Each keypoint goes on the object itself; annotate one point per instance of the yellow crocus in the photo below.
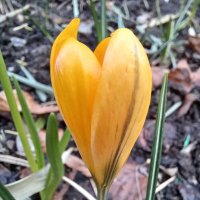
(103, 96)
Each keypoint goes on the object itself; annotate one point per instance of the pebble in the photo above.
(18, 42)
(4, 174)
(10, 144)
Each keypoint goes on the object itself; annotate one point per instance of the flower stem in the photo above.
(103, 193)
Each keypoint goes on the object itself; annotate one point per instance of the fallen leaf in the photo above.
(157, 75)
(194, 42)
(77, 164)
(34, 107)
(183, 79)
(59, 195)
(146, 136)
(189, 99)
(130, 184)
(180, 77)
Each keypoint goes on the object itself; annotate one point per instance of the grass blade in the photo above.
(15, 114)
(5, 194)
(65, 140)
(31, 126)
(169, 35)
(54, 156)
(103, 20)
(42, 96)
(33, 84)
(43, 29)
(96, 20)
(158, 140)
(183, 12)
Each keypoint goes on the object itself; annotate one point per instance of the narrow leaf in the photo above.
(64, 141)
(31, 126)
(34, 84)
(103, 20)
(96, 20)
(42, 96)
(158, 140)
(5, 194)
(54, 156)
(15, 113)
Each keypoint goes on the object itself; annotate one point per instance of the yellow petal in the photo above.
(121, 104)
(74, 73)
(71, 30)
(101, 50)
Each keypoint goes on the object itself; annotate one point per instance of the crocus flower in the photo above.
(103, 96)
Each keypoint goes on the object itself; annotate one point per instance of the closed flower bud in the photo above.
(103, 96)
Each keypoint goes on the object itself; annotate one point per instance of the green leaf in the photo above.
(65, 140)
(15, 114)
(40, 123)
(54, 156)
(5, 194)
(158, 140)
(31, 126)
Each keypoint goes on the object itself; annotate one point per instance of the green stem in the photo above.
(15, 114)
(103, 193)
(103, 20)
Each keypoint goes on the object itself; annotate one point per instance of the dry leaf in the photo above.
(34, 107)
(146, 136)
(180, 77)
(157, 75)
(183, 79)
(77, 164)
(130, 184)
(195, 43)
(189, 99)
(59, 195)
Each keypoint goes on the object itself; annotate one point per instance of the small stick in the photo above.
(14, 13)
(78, 188)
(165, 184)
(13, 160)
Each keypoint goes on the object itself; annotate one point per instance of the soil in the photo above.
(31, 46)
